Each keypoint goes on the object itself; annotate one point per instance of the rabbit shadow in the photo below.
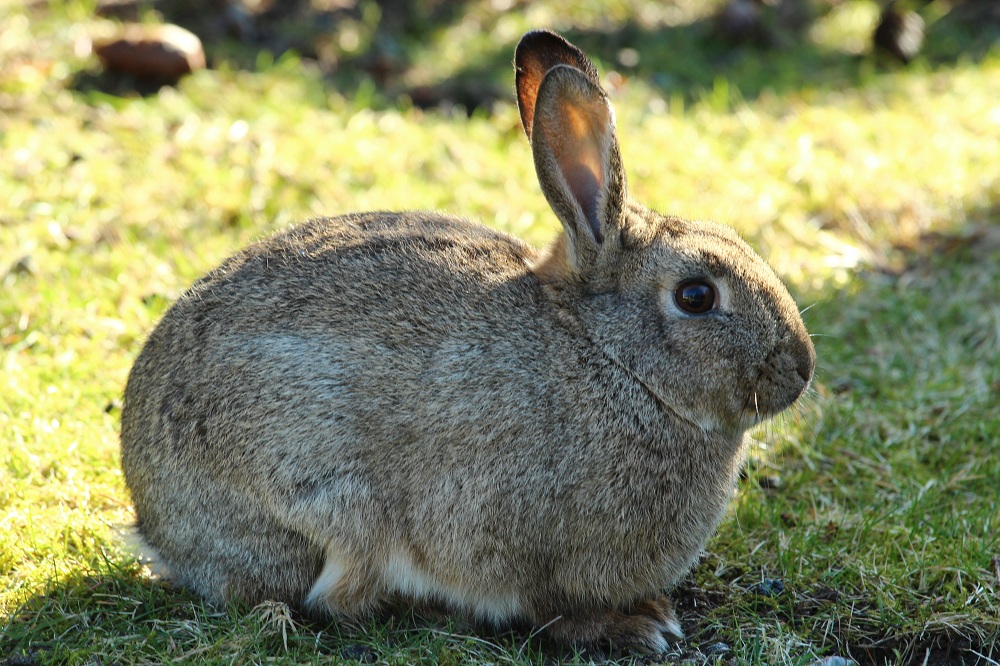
(107, 616)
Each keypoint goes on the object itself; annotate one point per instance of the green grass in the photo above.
(873, 189)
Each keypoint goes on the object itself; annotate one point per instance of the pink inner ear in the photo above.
(585, 186)
(580, 160)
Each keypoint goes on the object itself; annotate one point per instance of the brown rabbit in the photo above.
(409, 404)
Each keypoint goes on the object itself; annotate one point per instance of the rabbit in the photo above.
(408, 405)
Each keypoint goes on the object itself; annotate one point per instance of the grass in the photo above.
(873, 189)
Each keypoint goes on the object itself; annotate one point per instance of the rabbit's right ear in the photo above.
(571, 125)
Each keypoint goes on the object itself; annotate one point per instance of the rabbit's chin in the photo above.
(751, 418)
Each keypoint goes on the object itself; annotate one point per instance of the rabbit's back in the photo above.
(401, 269)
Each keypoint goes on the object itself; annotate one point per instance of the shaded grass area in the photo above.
(885, 525)
(875, 192)
(438, 51)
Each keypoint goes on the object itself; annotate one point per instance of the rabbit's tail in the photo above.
(133, 543)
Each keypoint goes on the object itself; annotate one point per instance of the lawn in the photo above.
(868, 522)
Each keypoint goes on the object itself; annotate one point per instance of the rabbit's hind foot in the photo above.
(647, 627)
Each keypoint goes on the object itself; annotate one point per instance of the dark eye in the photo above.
(695, 297)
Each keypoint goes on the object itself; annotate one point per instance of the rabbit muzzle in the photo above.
(784, 376)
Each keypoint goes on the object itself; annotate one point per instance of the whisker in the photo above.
(808, 308)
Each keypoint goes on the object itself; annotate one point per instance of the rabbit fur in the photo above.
(386, 404)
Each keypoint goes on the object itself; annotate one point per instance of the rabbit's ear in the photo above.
(578, 161)
(537, 53)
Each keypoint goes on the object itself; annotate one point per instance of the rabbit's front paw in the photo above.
(648, 627)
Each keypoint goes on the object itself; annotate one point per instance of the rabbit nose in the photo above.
(806, 365)
(805, 368)
(789, 367)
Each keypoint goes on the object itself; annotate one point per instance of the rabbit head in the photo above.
(688, 307)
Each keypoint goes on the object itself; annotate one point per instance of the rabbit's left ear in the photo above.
(571, 125)
(537, 53)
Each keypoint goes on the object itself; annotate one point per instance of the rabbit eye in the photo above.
(695, 297)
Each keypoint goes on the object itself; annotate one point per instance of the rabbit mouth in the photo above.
(782, 379)
(756, 412)
(772, 396)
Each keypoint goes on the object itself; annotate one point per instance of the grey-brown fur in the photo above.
(429, 408)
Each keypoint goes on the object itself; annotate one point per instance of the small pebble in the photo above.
(156, 52)
(22, 659)
(360, 653)
(832, 661)
(740, 22)
(899, 33)
(769, 481)
(716, 650)
(769, 587)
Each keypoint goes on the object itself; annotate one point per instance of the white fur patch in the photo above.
(673, 627)
(402, 575)
(659, 643)
(322, 590)
(133, 544)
